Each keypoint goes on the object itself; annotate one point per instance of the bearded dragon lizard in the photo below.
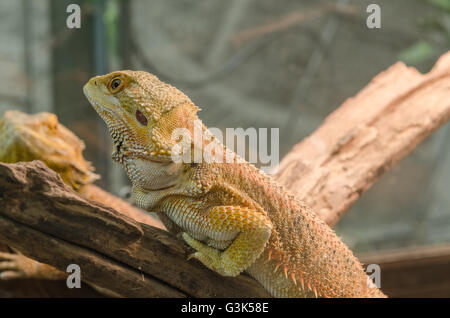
(234, 216)
(26, 137)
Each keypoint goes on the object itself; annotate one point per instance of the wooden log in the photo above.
(96, 268)
(366, 136)
(414, 272)
(47, 221)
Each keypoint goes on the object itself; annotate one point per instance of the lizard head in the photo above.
(41, 137)
(141, 113)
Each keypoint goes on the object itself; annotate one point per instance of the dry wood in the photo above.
(366, 136)
(414, 272)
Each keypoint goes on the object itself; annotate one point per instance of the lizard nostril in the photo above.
(95, 83)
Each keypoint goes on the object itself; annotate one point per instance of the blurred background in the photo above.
(247, 63)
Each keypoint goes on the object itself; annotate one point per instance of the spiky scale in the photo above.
(276, 267)
(293, 278)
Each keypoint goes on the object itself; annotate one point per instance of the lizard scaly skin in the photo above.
(235, 217)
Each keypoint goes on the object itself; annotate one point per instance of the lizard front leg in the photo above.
(242, 231)
(228, 239)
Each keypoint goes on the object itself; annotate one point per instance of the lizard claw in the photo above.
(200, 247)
(192, 243)
(187, 238)
(193, 255)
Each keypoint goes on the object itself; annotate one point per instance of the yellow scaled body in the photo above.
(235, 217)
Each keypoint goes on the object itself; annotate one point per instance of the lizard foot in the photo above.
(208, 255)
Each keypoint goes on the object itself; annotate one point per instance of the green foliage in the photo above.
(436, 36)
(111, 20)
(417, 53)
(441, 4)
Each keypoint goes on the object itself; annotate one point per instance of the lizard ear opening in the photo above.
(140, 117)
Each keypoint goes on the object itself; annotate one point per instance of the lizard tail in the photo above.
(305, 258)
(280, 280)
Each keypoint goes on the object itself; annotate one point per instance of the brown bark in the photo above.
(366, 136)
(414, 272)
(97, 194)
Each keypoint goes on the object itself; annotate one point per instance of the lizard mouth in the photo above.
(106, 113)
(112, 120)
(103, 111)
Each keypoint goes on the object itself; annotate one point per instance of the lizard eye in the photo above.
(115, 85)
(140, 117)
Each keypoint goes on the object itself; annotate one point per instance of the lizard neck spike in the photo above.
(276, 267)
(315, 292)
(302, 282)
(293, 278)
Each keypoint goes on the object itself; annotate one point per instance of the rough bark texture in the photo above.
(366, 136)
